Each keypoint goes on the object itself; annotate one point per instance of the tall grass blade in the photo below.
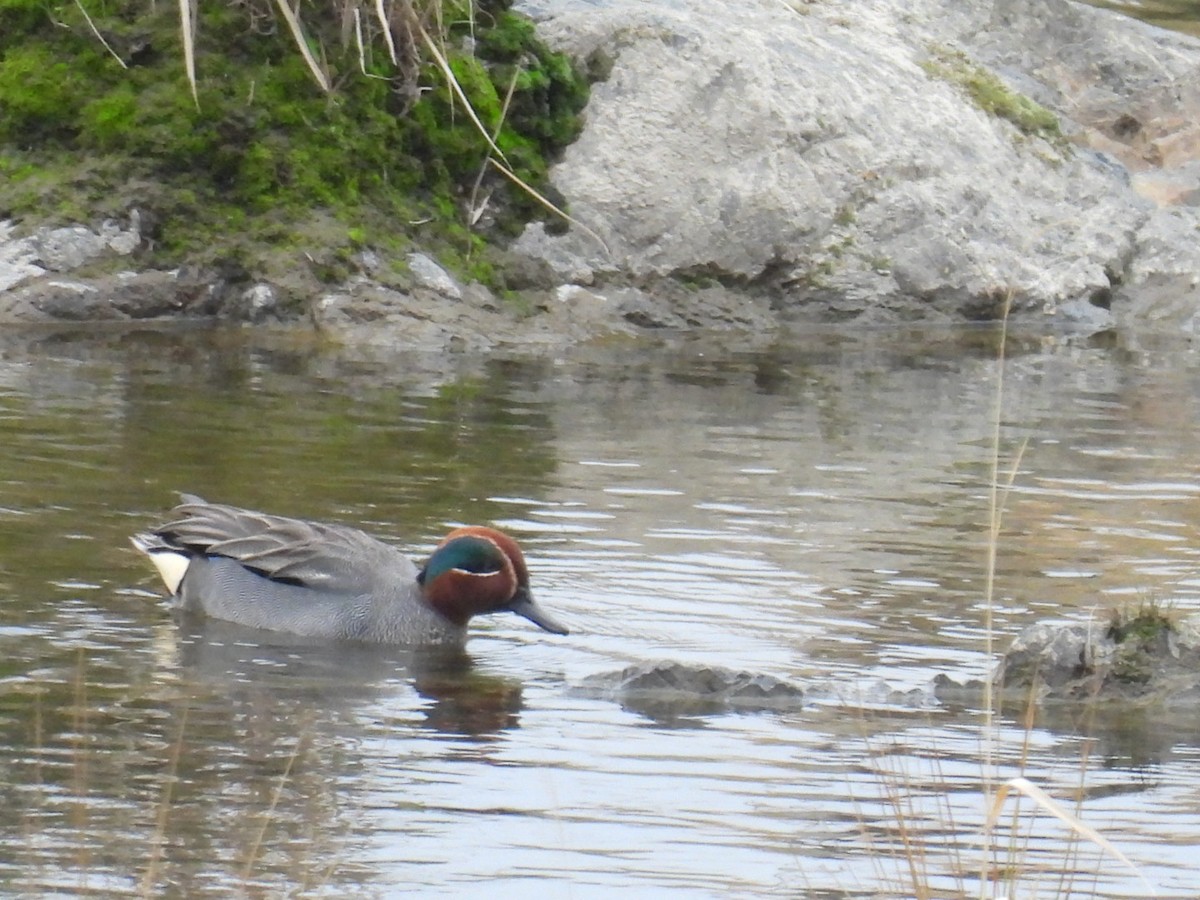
(1048, 804)
(515, 179)
(989, 591)
(187, 24)
(358, 42)
(475, 208)
(99, 36)
(150, 876)
(302, 44)
(386, 25)
(301, 745)
(456, 88)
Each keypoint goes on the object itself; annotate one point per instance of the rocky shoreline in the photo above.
(756, 164)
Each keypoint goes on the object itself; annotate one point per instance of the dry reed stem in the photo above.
(358, 42)
(474, 208)
(302, 44)
(99, 36)
(164, 807)
(456, 89)
(387, 30)
(989, 592)
(1047, 803)
(996, 502)
(914, 852)
(187, 25)
(513, 177)
(252, 857)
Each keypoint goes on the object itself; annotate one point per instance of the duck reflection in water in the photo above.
(285, 676)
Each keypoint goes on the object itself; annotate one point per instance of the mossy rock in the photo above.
(993, 96)
(1144, 654)
(390, 152)
(1143, 638)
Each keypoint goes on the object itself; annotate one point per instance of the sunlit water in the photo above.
(816, 511)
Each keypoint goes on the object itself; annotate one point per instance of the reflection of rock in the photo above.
(1144, 655)
(1118, 681)
(669, 691)
(673, 692)
(1124, 733)
(878, 696)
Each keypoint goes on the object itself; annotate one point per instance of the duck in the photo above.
(335, 582)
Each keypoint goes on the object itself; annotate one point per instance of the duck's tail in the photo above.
(172, 564)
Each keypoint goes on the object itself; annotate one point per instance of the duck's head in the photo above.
(477, 570)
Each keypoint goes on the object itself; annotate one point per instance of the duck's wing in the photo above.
(325, 557)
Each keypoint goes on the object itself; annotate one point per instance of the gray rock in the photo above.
(60, 250)
(812, 151)
(68, 300)
(18, 260)
(1148, 655)
(1053, 654)
(64, 249)
(69, 248)
(119, 297)
(669, 691)
(680, 693)
(153, 294)
(756, 162)
(370, 314)
(258, 303)
(432, 276)
(1162, 283)
(1131, 90)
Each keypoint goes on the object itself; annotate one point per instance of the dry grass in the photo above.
(170, 778)
(1003, 879)
(1005, 867)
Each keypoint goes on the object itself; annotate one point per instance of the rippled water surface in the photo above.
(815, 511)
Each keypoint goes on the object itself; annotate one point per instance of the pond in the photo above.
(1179, 15)
(815, 509)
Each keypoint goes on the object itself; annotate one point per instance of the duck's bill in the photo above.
(523, 605)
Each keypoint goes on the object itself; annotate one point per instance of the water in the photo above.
(815, 510)
(1179, 15)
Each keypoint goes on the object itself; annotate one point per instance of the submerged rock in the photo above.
(667, 691)
(1140, 656)
(671, 692)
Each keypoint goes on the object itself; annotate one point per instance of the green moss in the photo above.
(993, 96)
(1146, 622)
(265, 150)
(19, 16)
(106, 120)
(1143, 634)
